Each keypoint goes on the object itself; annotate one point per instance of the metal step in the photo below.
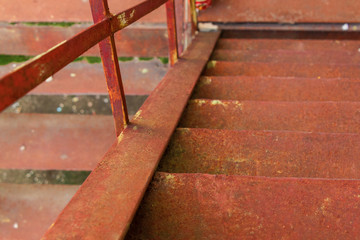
(226, 68)
(342, 117)
(277, 89)
(288, 44)
(288, 56)
(263, 153)
(201, 206)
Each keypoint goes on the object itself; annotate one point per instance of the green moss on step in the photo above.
(6, 59)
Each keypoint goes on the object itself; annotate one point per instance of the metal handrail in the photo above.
(23, 79)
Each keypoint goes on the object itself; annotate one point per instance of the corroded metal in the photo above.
(288, 116)
(263, 153)
(16, 84)
(283, 11)
(202, 206)
(225, 68)
(116, 186)
(287, 44)
(277, 89)
(285, 56)
(100, 11)
(172, 32)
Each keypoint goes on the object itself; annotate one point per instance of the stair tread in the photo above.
(262, 115)
(263, 153)
(27, 210)
(54, 141)
(288, 56)
(227, 68)
(288, 44)
(232, 207)
(277, 88)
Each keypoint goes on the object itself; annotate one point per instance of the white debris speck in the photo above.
(22, 148)
(64, 156)
(144, 70)
(61, 105)
(72, 75)
(345, 27)
(49, 79)
(90, 104)
(16, 225)
(75, 99)
(14, 65)
(106, 100)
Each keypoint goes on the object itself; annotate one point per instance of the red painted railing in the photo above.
(25, 78)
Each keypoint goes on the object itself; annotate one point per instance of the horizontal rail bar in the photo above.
(23, 79)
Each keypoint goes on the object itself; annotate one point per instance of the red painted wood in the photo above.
(54, 141)
(27, 210)
(33, 40)
(140, 78)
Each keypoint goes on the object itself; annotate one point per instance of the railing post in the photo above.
(171, 23)
(100, 11)
(194, 20)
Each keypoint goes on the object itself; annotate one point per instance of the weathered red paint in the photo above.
(257, 115)
(109, 58)
(59, 11)
(284, 56)
(287, 44)
(283, 11)
(27, 210)
(263, 153)
(139, 78)
(226, 68)
(137, 40)
(172, 32)
(277, 89)
(116, 186)
(201, 206)
(49, 141)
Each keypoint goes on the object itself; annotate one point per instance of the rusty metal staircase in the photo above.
(252, 134)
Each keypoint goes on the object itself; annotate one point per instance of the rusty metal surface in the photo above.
(277, 89)
(283, 11)
(109, 58)
(225, 68)
(283, 34)
(313, 27)
(116, 186)
(17, 83)
(199, 206)
(49, 141)
(263, 153)
(172, 32)
(140, 40)
(286, 56)
(287, 44)
(256, 115)
(26, 211)
(140, 78)
(58, 11)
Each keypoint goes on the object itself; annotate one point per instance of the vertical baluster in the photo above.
(194, 20)
(100, 10)
(171, 22)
